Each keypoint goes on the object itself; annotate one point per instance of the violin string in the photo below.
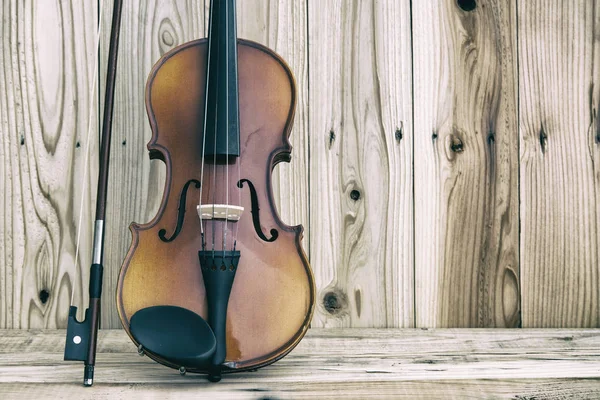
(215, 126)
(214, 166)
(89, 133)
(226, 132)
(238, 159)
(204, 129)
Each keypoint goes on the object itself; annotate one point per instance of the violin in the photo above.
(216, 282)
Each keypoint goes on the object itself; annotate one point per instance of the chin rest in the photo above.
(175, 334)
(183, 337)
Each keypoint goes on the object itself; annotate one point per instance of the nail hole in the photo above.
(543, 139)
(44, 295)
(398, 134)
(331, 138)
(434, 136)
(467, 5)
(22, 140)
(78, 145)
(124, 142)
(355, 195)
(491, 138)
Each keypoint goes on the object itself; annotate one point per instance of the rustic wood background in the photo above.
(446, 160)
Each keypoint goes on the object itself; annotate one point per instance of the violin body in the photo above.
(272, 296)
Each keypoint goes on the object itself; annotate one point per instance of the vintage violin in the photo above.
(216, 282)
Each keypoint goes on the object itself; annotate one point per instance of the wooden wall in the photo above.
(446, 161)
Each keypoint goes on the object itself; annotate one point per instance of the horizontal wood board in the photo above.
(329, 363)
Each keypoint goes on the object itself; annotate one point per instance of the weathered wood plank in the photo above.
(559, 53)
(281, 26)
(46, 73)
(136, 184)
(361, 163)
(150, 29)
(547, 389)
(466, 165)
(329, 363)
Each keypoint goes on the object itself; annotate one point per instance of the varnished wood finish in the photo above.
(329, 364)
(273, 293)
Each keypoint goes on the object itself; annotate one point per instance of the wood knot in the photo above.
(456, 144)
(467, 5)
(44, 295)
(167, 35)
(335, 302)
(167, 38)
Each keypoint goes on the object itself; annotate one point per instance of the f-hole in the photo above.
(255, 212)
(180, 212)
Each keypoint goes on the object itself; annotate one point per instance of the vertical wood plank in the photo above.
(466, 171)
(48, 54)
(136, 184)
(150, 29)
(559, 58)
(361, 162)
(281, 26)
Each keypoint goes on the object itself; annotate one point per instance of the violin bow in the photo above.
(82, 336)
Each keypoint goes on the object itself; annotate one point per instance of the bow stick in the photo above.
(82, 336)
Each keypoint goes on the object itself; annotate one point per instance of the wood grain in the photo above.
(46, 73)
(329, 363)
(361, 163)
(559, 53)
(149, 30)
(281, 26)
(136, 184)
(466, 165)
(350, 182)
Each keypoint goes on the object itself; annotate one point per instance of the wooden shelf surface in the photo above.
(328, 364)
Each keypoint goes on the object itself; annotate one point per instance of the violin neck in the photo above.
(222, 132)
